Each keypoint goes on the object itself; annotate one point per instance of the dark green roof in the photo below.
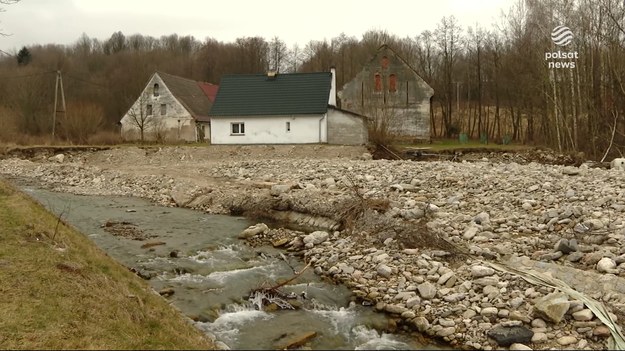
(284, 94)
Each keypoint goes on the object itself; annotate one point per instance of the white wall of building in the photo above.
(304, 129)
(176, 124)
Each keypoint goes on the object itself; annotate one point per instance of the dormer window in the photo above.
(155, 92)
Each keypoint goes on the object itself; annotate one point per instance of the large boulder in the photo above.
(506, 336)
(552, 307)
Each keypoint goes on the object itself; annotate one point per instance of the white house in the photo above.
(294, 108)
(170, 108)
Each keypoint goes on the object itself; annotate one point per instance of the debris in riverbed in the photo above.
(272, 298)
(126, 230)
(296, 341)
(151, 244)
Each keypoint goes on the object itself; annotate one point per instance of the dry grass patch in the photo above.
(59, 291)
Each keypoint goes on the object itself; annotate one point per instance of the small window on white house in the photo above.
(155, 89)
(148, 110)
(288, 126)
(163, 109)
(237, 128)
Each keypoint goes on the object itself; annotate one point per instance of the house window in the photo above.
(148, 110)
(237, 128)
(392, 83)
(378, 82)
(155, 92)
(163, 109)
(288, 126)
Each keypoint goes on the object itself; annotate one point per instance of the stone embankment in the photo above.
(413, 239)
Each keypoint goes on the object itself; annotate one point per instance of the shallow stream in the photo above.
(211, 273)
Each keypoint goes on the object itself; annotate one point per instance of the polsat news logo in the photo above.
(561, 36)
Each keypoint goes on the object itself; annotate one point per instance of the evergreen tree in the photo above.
(23, 57)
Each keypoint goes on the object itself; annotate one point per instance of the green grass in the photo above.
(59, 291)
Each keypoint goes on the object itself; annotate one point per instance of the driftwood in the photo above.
(272, 295)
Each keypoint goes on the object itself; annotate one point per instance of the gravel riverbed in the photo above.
(422, 241)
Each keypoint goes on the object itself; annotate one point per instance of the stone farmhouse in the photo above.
(170, 108)
(388, 90)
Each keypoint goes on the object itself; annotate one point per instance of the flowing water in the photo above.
(212, 273)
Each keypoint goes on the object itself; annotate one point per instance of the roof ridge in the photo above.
(180, 77)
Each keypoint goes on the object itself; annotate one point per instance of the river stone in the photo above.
(552, 307)
(606, 265)
(567, 340)
(566, 246)
(384, 270)
(445, 277)
(427, 290)
(539, 338)
(468, 314)
(506, 336)
(489, 311)
(493, 280)
(519, 347)
(421, 323)
(446, 331)
(278, 189)
(482, 218)
(397, 309)
(583, 315)
(601, 331)
(316, 238)
(58, 158)
(181, 195)
(470, 232)
(539, 323)
(481, 271)
(413, 301)
(575, 256)
(254, 230)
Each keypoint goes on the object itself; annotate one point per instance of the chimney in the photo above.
(332, 99)
(272, 74)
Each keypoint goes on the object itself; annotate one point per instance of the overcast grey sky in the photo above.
(63, 21)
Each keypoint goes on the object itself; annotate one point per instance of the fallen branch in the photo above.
(297, 274)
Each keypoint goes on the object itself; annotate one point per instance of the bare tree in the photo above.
(141, 115)
(6, 2)
(278, 52)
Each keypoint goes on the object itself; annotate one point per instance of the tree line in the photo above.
(500, 83)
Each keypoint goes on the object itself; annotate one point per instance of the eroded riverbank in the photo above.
(421, 235)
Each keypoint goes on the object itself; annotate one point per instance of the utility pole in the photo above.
(59, 82)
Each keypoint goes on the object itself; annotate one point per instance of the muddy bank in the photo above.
(412, 238)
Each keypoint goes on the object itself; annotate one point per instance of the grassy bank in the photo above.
(59, 291)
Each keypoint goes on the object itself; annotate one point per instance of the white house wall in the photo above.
(306, 129)
(156, 125)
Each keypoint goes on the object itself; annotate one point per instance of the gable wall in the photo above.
(407, 109)
(166, 126)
